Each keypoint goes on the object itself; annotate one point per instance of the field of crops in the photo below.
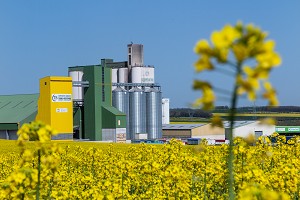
(274, 115)
(89, 170)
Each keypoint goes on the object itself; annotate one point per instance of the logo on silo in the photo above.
(61, 98)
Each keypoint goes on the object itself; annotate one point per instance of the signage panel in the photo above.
(61, 97)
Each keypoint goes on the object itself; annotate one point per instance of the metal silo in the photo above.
(77, 91)
(147, 74)
(136, 74)
(123, 75)
(120, 100)
(114, 77)
(137, 112)
(153, 113)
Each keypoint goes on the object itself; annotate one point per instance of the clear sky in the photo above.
(44, 38)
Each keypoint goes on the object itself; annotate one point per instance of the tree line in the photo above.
(190, 112)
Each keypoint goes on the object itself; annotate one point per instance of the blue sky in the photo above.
(44, 38)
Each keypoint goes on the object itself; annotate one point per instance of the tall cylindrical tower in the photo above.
(120, 100)
(114, 77)
(123, 75)
(137, 112)
(77, 91)
(135, 56)
(153, 113)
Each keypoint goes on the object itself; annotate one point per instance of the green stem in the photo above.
(39, 176)
(232, 118)
(50, 185)
(122, 186)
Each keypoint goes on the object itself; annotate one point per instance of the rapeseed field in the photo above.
(87, 170)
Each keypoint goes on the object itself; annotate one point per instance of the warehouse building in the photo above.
(15, 110)
(240, 129)
(184, 131)
(244, 128)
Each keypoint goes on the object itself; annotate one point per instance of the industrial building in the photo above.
(94, 116)
(244, 128)
(55, 106)
(110, 101)
(185, 131)
(16, 110)
(240, 129)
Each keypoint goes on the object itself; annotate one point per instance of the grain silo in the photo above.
(147, 74)
(120, 100)
(136, 74)
(123, 75)
(77, 92)
(137, 112)
(114, 77)
(153, 113)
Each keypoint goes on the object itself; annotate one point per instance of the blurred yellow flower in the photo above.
(249, 86)
(216, 121)
(268, 60)
(202, 47)
(270, 94)
(203, 63)
(208, 96)
(248, 45)
(268, 121)
(225, 37)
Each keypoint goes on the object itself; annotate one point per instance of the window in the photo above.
(129, 50)
(129, 60)
(103, 85)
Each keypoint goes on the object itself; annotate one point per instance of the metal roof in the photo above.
(113, 110)
(237, 123)
(180, 126)
(16, 108)
(192, 126)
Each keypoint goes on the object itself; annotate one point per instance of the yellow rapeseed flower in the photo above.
(248, 85)
(268, 60)
(270, 94)
(208, 96)
(203, 63)
(217, 121)
(225, 37)
(240, 52)
(203, 47)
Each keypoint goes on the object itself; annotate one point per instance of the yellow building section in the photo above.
(55, 105)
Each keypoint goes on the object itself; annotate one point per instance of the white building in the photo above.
(165, 111)
(244, 128)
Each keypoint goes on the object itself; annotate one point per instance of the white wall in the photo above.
(165, 111)
(115, 135)
(215, 137)
(245, 130)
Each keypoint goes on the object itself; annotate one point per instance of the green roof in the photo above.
(113, 110)
(18, 109)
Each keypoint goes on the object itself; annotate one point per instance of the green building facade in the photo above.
(97, 119)
(288, 130)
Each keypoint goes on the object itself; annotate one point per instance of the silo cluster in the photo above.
(142, 107)
(135, 93)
